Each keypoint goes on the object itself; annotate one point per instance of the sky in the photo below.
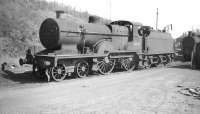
(182, 14)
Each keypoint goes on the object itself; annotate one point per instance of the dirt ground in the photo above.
(149, 91)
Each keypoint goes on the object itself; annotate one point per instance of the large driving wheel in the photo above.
(82, 69)
(128, 64)
(105, 65)
(168, 59)
(58, 73)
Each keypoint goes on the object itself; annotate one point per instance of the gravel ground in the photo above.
(149, 91)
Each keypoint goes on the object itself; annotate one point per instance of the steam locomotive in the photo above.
(184, 45)
(76, 49)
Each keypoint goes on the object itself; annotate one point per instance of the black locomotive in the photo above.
(74, 48)
(184, 45)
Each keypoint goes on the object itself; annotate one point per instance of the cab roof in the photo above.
(121, 22)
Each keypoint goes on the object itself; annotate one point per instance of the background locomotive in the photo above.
(187, 46)
(184, 45)
(78, 48)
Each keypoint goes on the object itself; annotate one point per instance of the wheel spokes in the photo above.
(106, 66)
(128, 64)
(59, 73)
(82, 69)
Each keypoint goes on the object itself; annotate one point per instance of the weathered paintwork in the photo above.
(159, 42)
(78, 48)
(122, 35)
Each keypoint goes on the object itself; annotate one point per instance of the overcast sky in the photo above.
(182, 14)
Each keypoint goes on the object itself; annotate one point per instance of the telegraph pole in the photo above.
(157, 19)
(110, 9)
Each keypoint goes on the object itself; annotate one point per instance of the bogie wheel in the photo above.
(128, 64)
(105, 65)
(59, 72)
(82, 69)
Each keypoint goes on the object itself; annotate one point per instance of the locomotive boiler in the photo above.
(76, 49)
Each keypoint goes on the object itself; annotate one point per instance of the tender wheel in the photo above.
(168, 59)
(128, 64)
(82, 69)
(58, 73)
(147, 63)
(158, 60)
(172, 57)
(106, 65)
(164, 59)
